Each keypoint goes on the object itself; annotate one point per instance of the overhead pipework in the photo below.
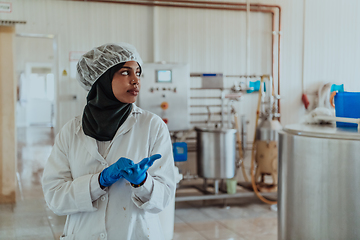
(229, 6)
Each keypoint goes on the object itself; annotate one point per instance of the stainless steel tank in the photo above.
(216, 153)
(319, 183)
(268, 130)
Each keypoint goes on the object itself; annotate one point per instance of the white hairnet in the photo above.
(97, 61)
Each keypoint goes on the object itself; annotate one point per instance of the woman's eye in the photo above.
(138, 74)
(125, 73)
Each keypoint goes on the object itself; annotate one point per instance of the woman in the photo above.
(111, 169)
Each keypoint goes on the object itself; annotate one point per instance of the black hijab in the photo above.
(103, 113)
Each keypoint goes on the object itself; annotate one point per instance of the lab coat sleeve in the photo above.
(63, 194)
(95, 189)
(159, 187)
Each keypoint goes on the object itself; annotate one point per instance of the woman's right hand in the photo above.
(113, 173)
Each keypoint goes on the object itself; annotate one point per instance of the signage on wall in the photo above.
(5, 7)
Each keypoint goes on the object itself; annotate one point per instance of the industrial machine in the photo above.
(319, 182)
(219, 147)
(165, 92)
(265, 147)
(216, 153)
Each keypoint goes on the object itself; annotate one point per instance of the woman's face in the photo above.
(126, 82)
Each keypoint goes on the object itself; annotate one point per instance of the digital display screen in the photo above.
(163, 76)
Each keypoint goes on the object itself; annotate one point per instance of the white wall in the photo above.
(332, 49)
(81, 26)
(211, 41)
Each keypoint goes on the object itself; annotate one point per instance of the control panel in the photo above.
(165, 91)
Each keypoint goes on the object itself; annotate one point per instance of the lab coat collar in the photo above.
(90, 143)
(136, 109)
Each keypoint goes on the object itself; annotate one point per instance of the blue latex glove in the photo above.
(136, 174)
(113, 173)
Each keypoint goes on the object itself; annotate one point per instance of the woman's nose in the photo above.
(135, 81)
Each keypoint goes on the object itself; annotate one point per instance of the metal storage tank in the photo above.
(216, 153)
(319, 183)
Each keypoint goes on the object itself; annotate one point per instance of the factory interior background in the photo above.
(301, 45)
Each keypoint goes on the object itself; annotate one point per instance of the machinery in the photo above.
(219, 147)
(216, 153)
(217, 160)
(319, 182)
(318, 171)
(265, 146)
(165, 92)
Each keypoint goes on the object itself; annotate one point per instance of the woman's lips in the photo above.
(134, 92)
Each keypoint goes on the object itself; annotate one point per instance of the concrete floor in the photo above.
(30, 218)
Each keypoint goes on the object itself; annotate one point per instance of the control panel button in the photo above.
(164, 105)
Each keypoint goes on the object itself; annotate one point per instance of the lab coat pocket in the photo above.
(152, 227)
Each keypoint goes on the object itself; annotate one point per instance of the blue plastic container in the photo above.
(256, 86)
(180, 151)
(347, 104)
(338, 88)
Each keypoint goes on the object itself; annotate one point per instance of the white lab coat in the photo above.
(70, 181)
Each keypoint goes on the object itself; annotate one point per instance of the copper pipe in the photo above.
(215, 3)
(168, 4)
(203, 5)
(279, 42)
(201, 2)
(272, 45)
(279, 39)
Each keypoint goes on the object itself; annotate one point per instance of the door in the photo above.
(35, 67)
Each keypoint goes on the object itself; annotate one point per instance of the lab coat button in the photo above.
(103, 198)
(102, 235)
